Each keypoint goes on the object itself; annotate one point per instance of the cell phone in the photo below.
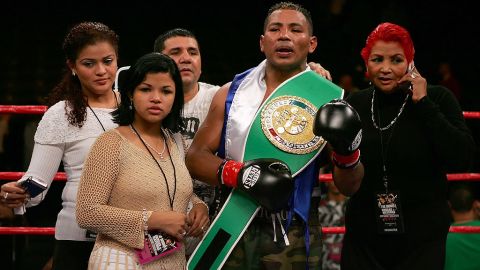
(406, 86)
(33, 186)
(410, 68)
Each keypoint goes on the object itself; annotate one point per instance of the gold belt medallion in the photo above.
(287, 122)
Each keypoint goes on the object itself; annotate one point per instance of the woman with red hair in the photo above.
(413, 135)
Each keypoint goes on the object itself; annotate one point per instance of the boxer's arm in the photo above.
(201, 160)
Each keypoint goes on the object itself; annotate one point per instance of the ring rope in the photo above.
(450, 177)
(325, 230)
(61, 176)
(40, 109)
(22, 109)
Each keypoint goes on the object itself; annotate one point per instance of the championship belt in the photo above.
(282, 129)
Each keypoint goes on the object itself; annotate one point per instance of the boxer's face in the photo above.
(287, 40)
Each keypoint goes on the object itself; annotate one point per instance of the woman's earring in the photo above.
(73, 73)
(368, 77)
(130, 107)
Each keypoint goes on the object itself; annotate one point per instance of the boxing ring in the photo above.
(27, 109)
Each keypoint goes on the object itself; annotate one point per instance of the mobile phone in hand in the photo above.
(406, 86)
(33, 186)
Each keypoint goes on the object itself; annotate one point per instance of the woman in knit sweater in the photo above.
(135, 181)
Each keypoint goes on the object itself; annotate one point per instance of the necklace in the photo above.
(98, 119)
(380, 130)
(394, 119)
(146, 143)
(171, 199)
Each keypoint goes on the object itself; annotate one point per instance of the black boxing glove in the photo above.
(268, 181)
(339, 124)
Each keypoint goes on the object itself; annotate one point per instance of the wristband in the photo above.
(229, 171)
(346, 162)
(219, 171)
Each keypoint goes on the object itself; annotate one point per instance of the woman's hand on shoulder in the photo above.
(317, 68)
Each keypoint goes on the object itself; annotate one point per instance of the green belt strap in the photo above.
(239, 209)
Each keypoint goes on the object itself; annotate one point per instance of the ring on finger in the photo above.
(5, 196)
(413, 75)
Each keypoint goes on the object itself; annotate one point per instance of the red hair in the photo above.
(389, 32)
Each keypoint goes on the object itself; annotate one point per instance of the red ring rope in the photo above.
(13, 109)
(450, 177)
(18, 175)
(325, 230)
(38, 109)
(28, 230)
(61, 176)
(471, 115)
(26, 109)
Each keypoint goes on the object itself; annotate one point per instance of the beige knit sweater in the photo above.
(118, 181)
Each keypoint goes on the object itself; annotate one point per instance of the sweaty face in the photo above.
(386, 65)
(185, 52)
(287, 41)
(96, 67)
(153, 98)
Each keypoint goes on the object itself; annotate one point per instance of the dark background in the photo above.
(32, 34)
(32, 62)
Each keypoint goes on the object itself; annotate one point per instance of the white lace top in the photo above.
(57, 141)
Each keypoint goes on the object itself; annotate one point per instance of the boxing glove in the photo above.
(339, 124)
(268, 181)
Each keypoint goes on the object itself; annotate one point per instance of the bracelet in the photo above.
(220, 171)
(205, 204)
(145, 217)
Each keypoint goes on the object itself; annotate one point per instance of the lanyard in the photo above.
(171, 199)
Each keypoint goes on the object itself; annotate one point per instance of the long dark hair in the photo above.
(135, 75)
(69, 88)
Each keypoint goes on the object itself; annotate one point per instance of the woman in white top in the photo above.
(80, 112)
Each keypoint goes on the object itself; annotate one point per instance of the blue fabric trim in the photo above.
(301, 199)
(237, 80)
